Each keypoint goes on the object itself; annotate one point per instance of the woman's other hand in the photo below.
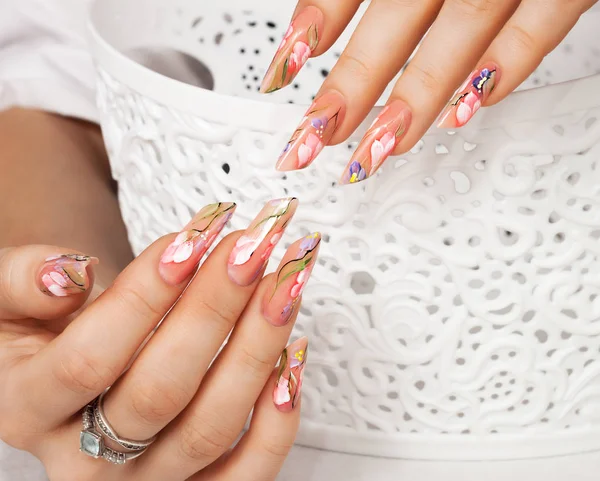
(59, 351)
(488, 46)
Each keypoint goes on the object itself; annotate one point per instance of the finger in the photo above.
(381, 44)
(169, 370)
(216, 415)
(458, 37)
(315, 26)
(535, 29)
(95, 349)
(262, 450)
(43, 282)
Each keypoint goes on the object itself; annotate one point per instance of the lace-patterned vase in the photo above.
(455, 310)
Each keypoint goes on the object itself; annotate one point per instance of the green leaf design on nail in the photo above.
(283, 360)
(285, 70)
(292, 268)
(75, 276)
(313, 37)
(400, 130)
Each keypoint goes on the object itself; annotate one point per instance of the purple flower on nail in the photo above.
(309, 242)
(481, 79)
(287, 311)
(319, 123)
(355, 173)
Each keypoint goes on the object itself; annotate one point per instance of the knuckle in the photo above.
(475, 7)
(522, 40)
(356, 66)
(82, 374)
(221, 319)
(158, 400)
(278, 450)
(426, 78)
(205, 438)
(129, 298)
(257, 365)
(399, 4)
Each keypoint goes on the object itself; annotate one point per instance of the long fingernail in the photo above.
(470, 97)
(298, 44)
(182, 256)
(252, 250)
(289, 375)
(65, 275)
(378, 143)
(282, 298)
(314, 132)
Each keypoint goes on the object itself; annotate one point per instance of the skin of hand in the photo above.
(472, 53)
(56, 188)
(60, 348)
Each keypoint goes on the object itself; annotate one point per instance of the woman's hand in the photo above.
(500, 42)
(58, 353)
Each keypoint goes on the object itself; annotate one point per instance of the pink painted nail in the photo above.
(470, 97)
(182, 256)
(298, 44)
(252, 250)
(290, 374)
(66, 275)
(378, 143)
(290, 280)
(314, 132)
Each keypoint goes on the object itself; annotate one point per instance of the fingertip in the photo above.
(44, 282)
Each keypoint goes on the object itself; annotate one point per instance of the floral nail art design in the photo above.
(470, 97)
(291, 278)
(182, 256)
(378, 143)
(300, 40)
(252, 250)
(314, 132)
(290, 374)
(66, 275)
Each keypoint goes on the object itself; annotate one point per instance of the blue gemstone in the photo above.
(90, 443)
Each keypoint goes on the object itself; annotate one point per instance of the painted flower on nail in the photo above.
(243, 250)
(297, 45)
(298, 286)
(320, 124)
(484, 76)
(55, 283)
(469, 99)
(282, 391)
(66, 274)
(290, 375)
(309, 243)
(356, 173)
(467, 106)
(382, 148)
(299, 269)
(275, 238)
(315, 130)
(299, 57)
(181, 249)
(309, 150)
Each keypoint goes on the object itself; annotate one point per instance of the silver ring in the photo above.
(104, 426)
(92, 444)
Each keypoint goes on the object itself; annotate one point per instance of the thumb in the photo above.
(43, 282)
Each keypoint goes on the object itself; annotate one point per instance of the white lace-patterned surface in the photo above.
(457, 299)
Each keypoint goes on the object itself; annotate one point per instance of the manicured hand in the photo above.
(155, 337)
(488, 46)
